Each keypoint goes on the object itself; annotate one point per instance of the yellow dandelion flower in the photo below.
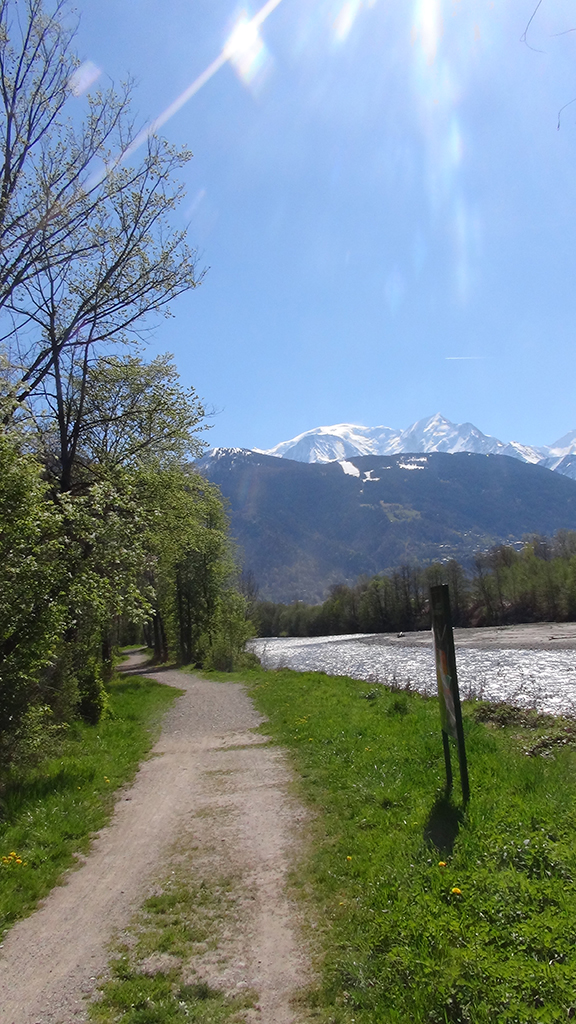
(456, 891)
(441, 863)
(18, 860)
(348, 858)
(12, 854)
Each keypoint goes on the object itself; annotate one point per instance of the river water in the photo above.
(537, 675)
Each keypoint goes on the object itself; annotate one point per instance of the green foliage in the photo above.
(537, 583)
(32, 578)
(140, 538)
(430, 912)
(51, 805)
(108, 524)
(136, 415)
(200, 616)
(223, 643)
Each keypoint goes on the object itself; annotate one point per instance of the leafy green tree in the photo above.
(198, 610)
(88, 256)
(126, 415)
(33, 577)
(108, 521)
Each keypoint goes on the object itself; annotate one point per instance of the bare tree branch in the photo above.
(85, 258)
(524, 36)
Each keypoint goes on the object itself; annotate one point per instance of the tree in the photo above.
(87, 255)
(101, 514)
(125, 415)
(198, 616)
(33, 614)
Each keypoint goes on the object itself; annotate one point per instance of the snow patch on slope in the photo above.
(350, 469)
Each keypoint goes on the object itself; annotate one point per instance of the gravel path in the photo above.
(214, 784)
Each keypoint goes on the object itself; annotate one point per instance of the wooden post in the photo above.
(448, 693)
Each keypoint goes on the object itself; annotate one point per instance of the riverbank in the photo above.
(529, 665)
(429, 910)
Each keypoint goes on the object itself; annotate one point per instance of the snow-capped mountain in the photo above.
(328, 444)
(434, 434)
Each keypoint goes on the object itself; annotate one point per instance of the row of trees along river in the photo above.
(505, 585)
(105, 530)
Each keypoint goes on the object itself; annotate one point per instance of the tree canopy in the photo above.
(105, 526)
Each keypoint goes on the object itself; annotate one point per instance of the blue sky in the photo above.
(378, 189)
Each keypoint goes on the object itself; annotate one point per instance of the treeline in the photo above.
(107, 534)
(505, 586)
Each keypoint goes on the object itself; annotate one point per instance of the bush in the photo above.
(223, 647)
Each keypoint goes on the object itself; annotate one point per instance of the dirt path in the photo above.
(214, 786)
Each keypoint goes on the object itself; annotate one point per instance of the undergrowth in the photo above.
(49, 812)
(432, 912)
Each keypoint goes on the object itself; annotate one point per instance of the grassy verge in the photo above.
(48, 814)
(432, 912)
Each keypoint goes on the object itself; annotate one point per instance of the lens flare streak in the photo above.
(243, 39)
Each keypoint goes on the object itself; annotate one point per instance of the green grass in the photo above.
(487, 935)
(49, 813)
(151, 982)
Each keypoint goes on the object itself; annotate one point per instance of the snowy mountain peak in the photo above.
(343, 441)
(330, 444)
(565, 445)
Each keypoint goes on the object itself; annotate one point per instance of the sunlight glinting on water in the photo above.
(545, 680)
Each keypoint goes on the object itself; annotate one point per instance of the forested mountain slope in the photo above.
(304, 526)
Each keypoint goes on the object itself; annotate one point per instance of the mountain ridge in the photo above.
(432, 434)
(302, 527)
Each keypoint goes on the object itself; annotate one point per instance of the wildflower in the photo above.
(441, 863)
(348, 858)
(18, 860)
(456, 891)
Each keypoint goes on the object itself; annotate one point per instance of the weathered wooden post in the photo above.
(448, 693)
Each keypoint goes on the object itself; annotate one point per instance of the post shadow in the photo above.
(443, 824)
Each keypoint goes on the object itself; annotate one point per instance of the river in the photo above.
(529, 666)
